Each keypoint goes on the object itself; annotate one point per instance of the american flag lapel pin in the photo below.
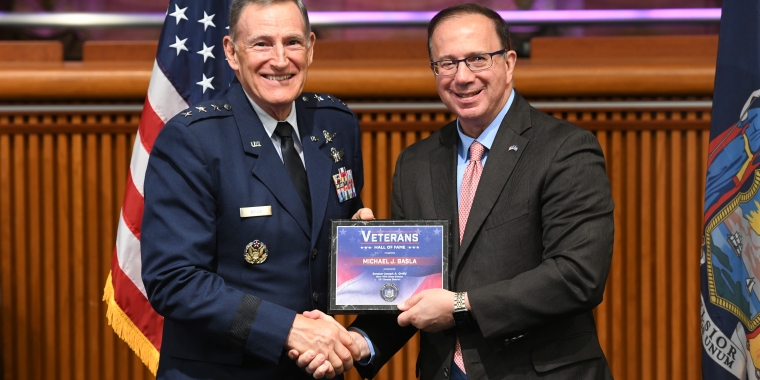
(513, 147)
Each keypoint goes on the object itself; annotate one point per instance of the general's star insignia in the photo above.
(188, 113)
(201, 108)
(216, 107)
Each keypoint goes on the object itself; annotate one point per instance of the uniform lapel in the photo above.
(443, 170)
(318, 167)
(499, 166)
(268, 167)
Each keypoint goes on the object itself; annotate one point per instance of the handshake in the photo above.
(322, 346)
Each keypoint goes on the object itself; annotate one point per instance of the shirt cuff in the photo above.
(371, 357)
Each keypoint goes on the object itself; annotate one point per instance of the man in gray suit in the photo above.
(530, 198)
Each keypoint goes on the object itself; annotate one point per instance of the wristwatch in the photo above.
(461, 314)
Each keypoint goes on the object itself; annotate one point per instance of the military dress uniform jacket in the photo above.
(534, 257)
(226, 318)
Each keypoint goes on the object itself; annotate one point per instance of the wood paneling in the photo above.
(60, 194)
(62, 178)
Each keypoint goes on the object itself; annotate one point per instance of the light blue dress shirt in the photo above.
(486, 138)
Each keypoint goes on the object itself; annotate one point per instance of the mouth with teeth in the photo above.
(278, 77)
(467, 95)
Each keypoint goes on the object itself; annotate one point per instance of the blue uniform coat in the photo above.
(224, 317)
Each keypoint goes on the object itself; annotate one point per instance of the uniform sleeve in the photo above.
(179, 255)
(577, 234)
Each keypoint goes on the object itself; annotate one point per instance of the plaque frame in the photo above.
(381, 307)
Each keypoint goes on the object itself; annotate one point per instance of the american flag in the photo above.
(190, 67)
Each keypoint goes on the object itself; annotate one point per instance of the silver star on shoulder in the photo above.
(216, 107)
(206, 21)
(201, 108)
(178, 14)
(319, 98)
(179, 44)
(188, 113)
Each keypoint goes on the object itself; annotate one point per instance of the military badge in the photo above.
(329, 136)
(389, 292)
(256, 252)
(336, 155)
(344, 184)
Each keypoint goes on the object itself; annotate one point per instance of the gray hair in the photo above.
(236, 9)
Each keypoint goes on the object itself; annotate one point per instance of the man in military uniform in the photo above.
(238, 197)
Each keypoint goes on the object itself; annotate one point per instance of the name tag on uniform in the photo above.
(250, 212)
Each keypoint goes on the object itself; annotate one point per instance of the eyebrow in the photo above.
(269, 37)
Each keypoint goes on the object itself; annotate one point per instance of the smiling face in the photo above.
(476, 98)
(271, 55)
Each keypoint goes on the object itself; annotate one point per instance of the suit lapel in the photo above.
(499, 166)
(318, 167)
(443, 168)
(268, 167)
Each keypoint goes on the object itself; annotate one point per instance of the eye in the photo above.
(446, 64)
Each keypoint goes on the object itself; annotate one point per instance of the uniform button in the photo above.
(315, 297)
(446, 372)
(314, 253)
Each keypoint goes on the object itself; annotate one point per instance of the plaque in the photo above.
(375, 265)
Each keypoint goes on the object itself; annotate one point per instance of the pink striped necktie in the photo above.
(469, 186)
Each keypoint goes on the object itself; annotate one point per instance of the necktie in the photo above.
(469, 186)
(293, 164)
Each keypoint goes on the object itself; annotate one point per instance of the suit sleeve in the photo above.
(179, 254)
(386, 335)
(577, 233)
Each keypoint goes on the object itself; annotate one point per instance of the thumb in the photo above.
(409, 303)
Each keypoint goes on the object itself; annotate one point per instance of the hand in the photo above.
(316, 364)
(364, 214)
(429, 310)
(327, 340)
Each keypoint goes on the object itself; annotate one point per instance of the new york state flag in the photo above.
(730, 262)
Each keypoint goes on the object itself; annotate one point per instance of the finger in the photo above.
(306, 358)
(336, 362)
(364, 214)
(293, 354)
(345, 356)
(404, 319)
(325, 370)
(410, 302)
(316, 363)
(314, 314)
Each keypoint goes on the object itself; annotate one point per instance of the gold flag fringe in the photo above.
(127, 331)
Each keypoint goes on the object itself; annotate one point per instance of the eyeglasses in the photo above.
(478, 62)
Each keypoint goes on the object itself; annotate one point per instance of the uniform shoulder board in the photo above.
(312, 100)
(205, 110)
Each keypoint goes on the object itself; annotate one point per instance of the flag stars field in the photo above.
(178, 14)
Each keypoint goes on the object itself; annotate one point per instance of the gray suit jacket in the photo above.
(534, 258)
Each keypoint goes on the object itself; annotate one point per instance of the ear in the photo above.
(310, 52)
(511, 59)
(231, 53)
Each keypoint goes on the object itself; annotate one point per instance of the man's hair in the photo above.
(236, 9)
(500, 26)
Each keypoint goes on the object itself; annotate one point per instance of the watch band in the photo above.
(459, 301)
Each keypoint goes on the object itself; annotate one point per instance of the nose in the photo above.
(463, 74)
(280, 58)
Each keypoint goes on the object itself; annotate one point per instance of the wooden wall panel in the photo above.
(62, 179)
